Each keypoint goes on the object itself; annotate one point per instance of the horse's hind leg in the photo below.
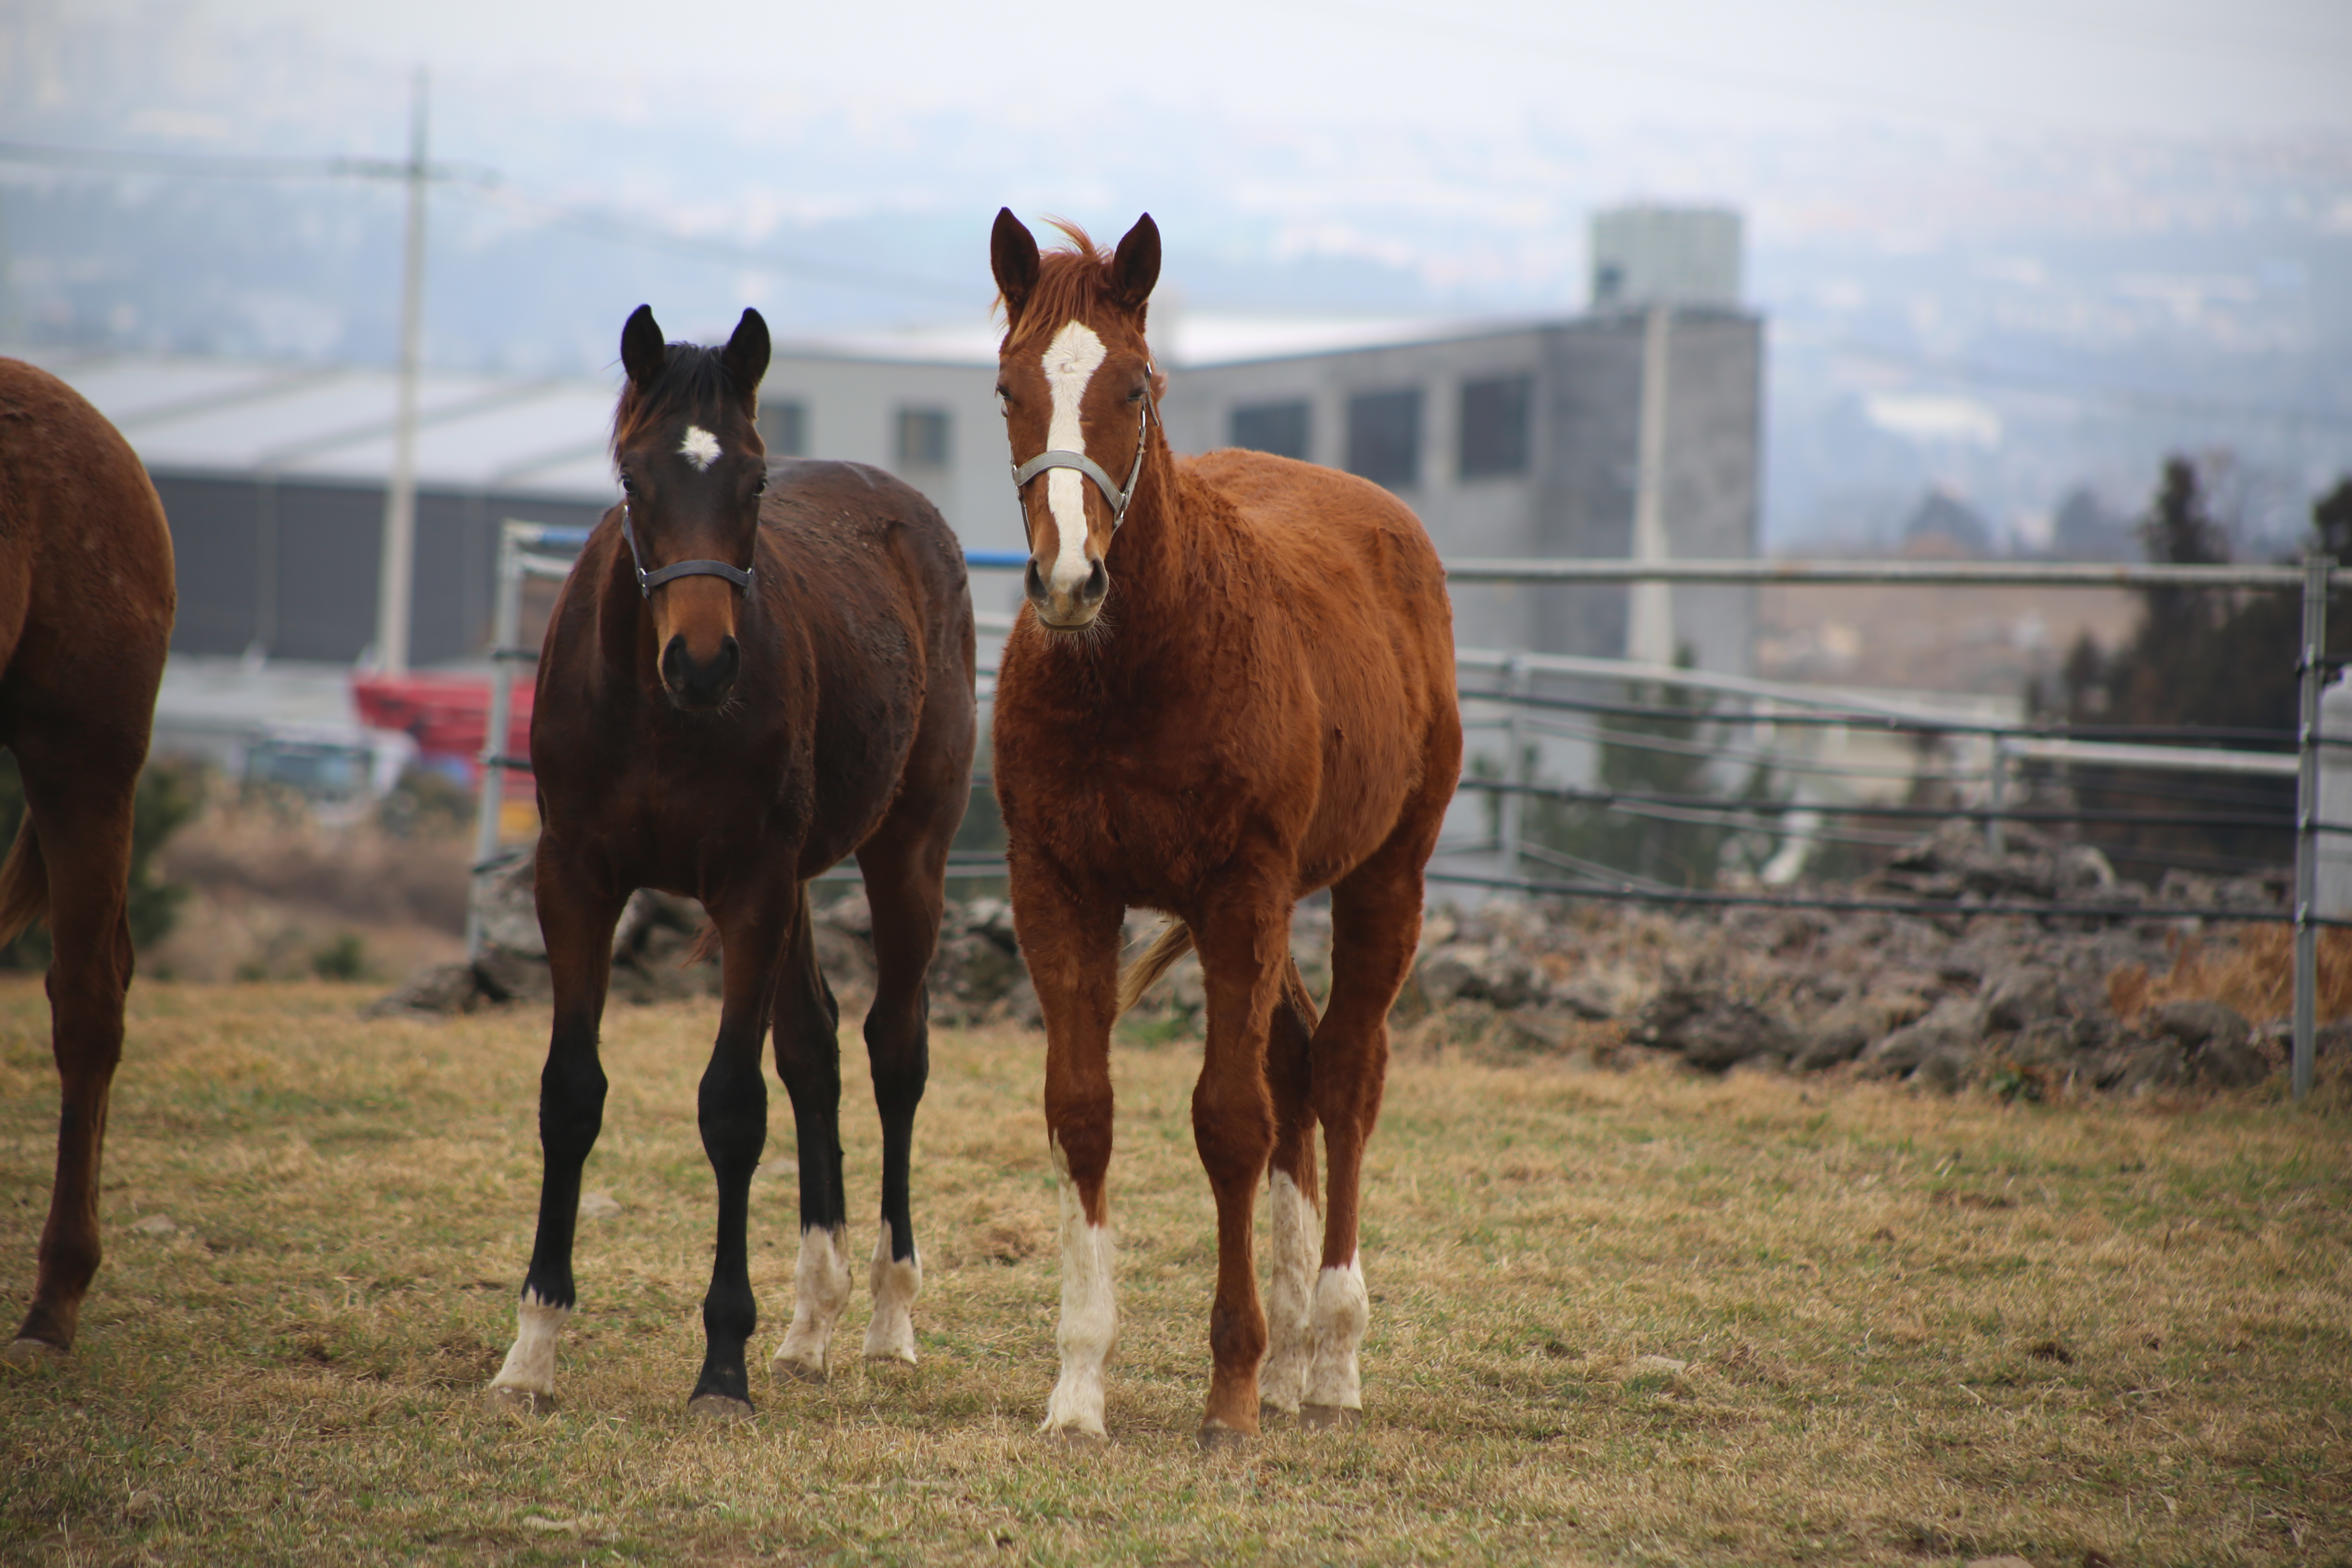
(808, 1059)
(1375, 925)
(906, 883)
(1241, 935)
(1291, 1198)
(576, 914)
(81, 808)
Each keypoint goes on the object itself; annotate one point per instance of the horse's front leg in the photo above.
(756, 931)
(577, 911)
(1070, 937)
(1243, 938)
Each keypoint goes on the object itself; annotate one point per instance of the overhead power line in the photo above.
(487, 182)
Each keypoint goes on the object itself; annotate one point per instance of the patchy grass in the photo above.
(1616, 1318)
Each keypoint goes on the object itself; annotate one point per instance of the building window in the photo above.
(783, 429)
(1495, 418)
(1277, 428)
(922, 437)
(1384, 436)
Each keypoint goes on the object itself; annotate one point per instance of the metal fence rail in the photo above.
(1512, 706)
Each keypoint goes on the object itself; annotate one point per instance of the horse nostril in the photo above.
(1097, 583)
(675, 663)
(1032, 584)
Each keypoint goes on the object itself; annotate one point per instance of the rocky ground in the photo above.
(2146, 999)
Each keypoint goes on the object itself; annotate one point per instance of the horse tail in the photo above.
(1174, 941)
(24, 884)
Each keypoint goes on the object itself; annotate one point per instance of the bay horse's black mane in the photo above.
(693, 378)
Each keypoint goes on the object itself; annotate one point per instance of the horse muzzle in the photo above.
(699, 685)
(1067, 611)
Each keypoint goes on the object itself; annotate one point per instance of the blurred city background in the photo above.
(1934, 281)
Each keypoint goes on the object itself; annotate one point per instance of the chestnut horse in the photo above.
(756, 670)
(85, 601)
(1233, 685)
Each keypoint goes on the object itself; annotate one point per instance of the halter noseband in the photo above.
(1117, 494)
(648, 581)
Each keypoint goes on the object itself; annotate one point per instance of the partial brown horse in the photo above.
(85, 601)
(1232, 686)
(756, 670)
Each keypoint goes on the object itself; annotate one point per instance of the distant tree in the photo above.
(171, 793)
(2200, 657)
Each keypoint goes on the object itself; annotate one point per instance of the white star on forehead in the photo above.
(700, 447)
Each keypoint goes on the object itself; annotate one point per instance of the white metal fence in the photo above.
(1524, 697)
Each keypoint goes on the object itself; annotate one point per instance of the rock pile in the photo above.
(2029, 1005)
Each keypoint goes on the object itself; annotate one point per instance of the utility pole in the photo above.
(1650, 617)
(396, 576)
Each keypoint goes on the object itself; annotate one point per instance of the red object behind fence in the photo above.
(447, 715)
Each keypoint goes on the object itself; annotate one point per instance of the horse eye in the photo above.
(628, 485)
(761, 489)
(1136, 396)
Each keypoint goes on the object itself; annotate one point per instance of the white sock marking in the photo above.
(1337, 1320)
(820, 1290)
(1288, 1295)
(891, 1335)
(700, 447)
(531, 1363)
(1070, 363)
(1089, 1325)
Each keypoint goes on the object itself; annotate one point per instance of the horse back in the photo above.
(868, 564)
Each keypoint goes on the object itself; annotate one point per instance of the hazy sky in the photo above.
(2191, 67)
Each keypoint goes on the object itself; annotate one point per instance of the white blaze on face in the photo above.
(531, 1364)
(1089, 1325)
(700, 447)
(1071, 361)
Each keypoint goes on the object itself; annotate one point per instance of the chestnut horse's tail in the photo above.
(24, 884)
(1173, 943)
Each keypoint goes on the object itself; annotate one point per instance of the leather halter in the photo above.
(648, 581)
(1112, 491)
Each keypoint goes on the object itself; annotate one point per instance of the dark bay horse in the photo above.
(1233, 685)
(755, 670)
(86, 603)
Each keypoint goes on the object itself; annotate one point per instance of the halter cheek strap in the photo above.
(1119, 495)
(648, 581)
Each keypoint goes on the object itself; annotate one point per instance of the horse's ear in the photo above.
(643, 351)
(1136, 269)
(1013, 257)
(747, 354)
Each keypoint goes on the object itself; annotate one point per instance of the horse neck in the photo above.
(1158, 552)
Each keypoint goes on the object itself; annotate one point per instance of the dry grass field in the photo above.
(1627, 1317)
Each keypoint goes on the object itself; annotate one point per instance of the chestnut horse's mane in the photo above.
(692, 379)
(1069, 282)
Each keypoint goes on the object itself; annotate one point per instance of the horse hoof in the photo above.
(521, 1401)
(795, 1371)
(1218, 1439)
(1329, 1417)
(1077, 1439)
(1276, 1415)
(891, 1358)
(31, 1353)
(719, 1407)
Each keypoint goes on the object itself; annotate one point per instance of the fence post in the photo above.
(2315, 569)
(506, 616)
(1996, 836)
(1516, 681)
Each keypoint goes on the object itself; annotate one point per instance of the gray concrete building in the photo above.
(1525, 440)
